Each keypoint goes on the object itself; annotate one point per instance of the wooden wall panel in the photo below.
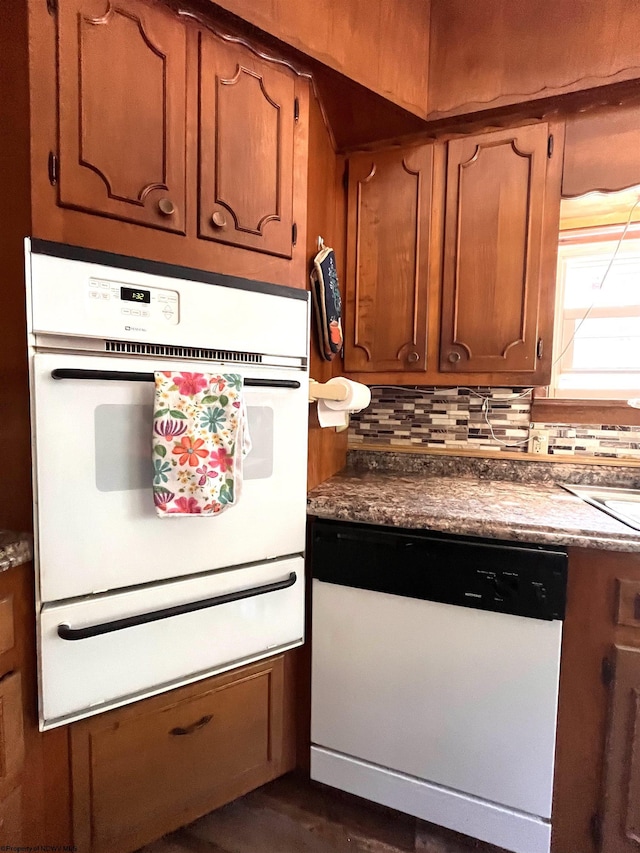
(326, 218)
(602, 150)
(382, 44)
(15, 225)
(486, 55)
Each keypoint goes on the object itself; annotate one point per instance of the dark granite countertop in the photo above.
(15, 549)
(537, 512)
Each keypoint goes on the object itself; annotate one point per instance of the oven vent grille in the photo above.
(183, 352)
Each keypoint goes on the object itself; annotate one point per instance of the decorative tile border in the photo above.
(478, 419)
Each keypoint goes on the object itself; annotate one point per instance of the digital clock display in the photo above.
(130, 294)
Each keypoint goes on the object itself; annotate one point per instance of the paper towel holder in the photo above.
(324, 391)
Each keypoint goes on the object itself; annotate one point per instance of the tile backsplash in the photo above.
(478, 419)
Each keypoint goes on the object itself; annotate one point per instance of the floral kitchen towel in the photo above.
(200, 437)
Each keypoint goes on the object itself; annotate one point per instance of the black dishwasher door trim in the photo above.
(523, 580)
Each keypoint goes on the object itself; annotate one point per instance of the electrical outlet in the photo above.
(538, 441)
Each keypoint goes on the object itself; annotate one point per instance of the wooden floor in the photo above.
(293, 815)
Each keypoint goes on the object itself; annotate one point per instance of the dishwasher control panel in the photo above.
(505, 577)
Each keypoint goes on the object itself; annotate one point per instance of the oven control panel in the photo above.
(131, 304)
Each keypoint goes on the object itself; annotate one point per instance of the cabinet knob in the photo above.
(454, 357)
(413, 357)
(219, 219)
(166, 207)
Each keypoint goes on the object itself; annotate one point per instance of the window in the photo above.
(597, 343)
(597, 328)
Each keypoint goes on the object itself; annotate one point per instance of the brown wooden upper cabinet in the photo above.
(389, 216)
(122, 111)
(496, 188)
(247, 116)
(209, 154)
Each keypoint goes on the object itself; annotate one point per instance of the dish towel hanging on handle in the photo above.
(327, 303)
(200, 438)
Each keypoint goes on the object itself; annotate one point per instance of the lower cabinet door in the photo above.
(11, 732)
(153, 766)
(621, 806)
(11, 819)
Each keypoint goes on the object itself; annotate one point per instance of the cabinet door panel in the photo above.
(148, 768)
(246, 128)
(388, 260)
(122, 111)
(621, 815)
(11, 827)
(11, 731)
(493, 242)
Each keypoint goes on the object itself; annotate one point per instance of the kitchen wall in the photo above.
(478, 419)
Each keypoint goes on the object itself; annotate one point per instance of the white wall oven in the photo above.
(131, 604)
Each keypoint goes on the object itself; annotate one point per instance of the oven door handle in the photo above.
(66, 632)
(132, 376)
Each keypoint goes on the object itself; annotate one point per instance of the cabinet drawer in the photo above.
(628, 604)
(11, 731)
(146, 769)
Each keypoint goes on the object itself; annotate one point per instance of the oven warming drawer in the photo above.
(101, 652)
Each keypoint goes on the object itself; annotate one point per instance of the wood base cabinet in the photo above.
(19, 821)
(621, 802)
(596, 801)
(153, 766)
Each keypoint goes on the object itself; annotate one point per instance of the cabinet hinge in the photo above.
(53, 169)
(52, 7)
(294, 234)
(296, 109)
(540, 348)
(607, 671)
(550, 146)
(595, 826)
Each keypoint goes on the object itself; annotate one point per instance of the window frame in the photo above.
(582, 408)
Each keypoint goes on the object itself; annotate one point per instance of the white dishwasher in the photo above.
(435, 667)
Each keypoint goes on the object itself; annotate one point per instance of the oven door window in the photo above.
(122, 440)
(96, 519)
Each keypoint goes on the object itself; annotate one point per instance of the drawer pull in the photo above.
(189, 730)
(132, 376)
(66, 632)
